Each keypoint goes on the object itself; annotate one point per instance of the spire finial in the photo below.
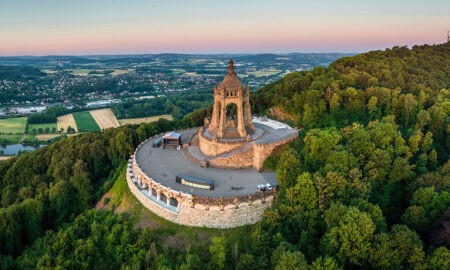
(231, 66)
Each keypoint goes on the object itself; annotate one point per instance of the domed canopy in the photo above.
(231, 80)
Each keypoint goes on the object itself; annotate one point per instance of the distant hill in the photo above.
(139, 58)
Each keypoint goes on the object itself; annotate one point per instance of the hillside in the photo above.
(366, 185)
(370, 172)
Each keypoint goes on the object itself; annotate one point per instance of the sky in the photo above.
(82, 27)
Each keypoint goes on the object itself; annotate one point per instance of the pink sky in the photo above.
(139, 28)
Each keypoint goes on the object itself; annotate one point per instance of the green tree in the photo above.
(372, 105)
(439, 259)
(350, 239)
(291, 261)
(324, 263)
(218, 252)
(288, 168)
(399, 249)
(426, 206)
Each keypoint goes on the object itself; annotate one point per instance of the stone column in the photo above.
(223, 120)
(215, 114)
(240, 113)
(247, 112)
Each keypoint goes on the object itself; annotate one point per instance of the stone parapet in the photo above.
(197, 211)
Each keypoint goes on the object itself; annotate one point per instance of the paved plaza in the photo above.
(163, 164)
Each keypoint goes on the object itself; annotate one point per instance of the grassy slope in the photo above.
(170, 234)
(85, 122)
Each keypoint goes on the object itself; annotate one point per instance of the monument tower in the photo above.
(231, 116)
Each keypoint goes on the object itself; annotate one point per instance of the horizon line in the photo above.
(222, 53)
(176, 53)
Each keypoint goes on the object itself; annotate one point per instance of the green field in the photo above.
(43, 126)
(16, 138)
(13, 125)
(85, 122)
(265, 72)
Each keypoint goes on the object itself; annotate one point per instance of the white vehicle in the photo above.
(264, 187)
(261, 187)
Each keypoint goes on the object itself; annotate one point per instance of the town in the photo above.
(32, 84)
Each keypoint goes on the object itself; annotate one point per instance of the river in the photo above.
(13, 149)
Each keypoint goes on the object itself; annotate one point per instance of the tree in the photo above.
(246, 262)
(64, 200)
(409, 103)
(426, 206)
(399, 249)
(350, 239)
(288, 168)
(439, 259)
(192, 262)
(319, 144)
(372, 105)
(218, 252)
(123, 144)
(291, 260)
(423, 118)
(324, 263)
(328, 186)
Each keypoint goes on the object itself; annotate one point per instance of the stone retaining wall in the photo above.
(208, 212)
(263, 151)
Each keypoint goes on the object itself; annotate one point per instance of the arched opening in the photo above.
(173, 202)
(231, 116)
(163, 198)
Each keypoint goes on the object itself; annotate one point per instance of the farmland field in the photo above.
(66, 121)
(43, 126)
(121, 71)
(105, 118)
(135, 121)
(264, 72)
(13, 125)
(46, 137)
(85, 122)
(16, 138)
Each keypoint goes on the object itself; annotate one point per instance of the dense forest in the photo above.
(365, 186)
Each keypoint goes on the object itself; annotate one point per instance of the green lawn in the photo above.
(85, 122)
(13, 125)
(16, 138)
(42, 126)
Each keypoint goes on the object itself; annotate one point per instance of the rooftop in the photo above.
(231, 80)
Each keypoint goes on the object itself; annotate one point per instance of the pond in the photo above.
(13, 149)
